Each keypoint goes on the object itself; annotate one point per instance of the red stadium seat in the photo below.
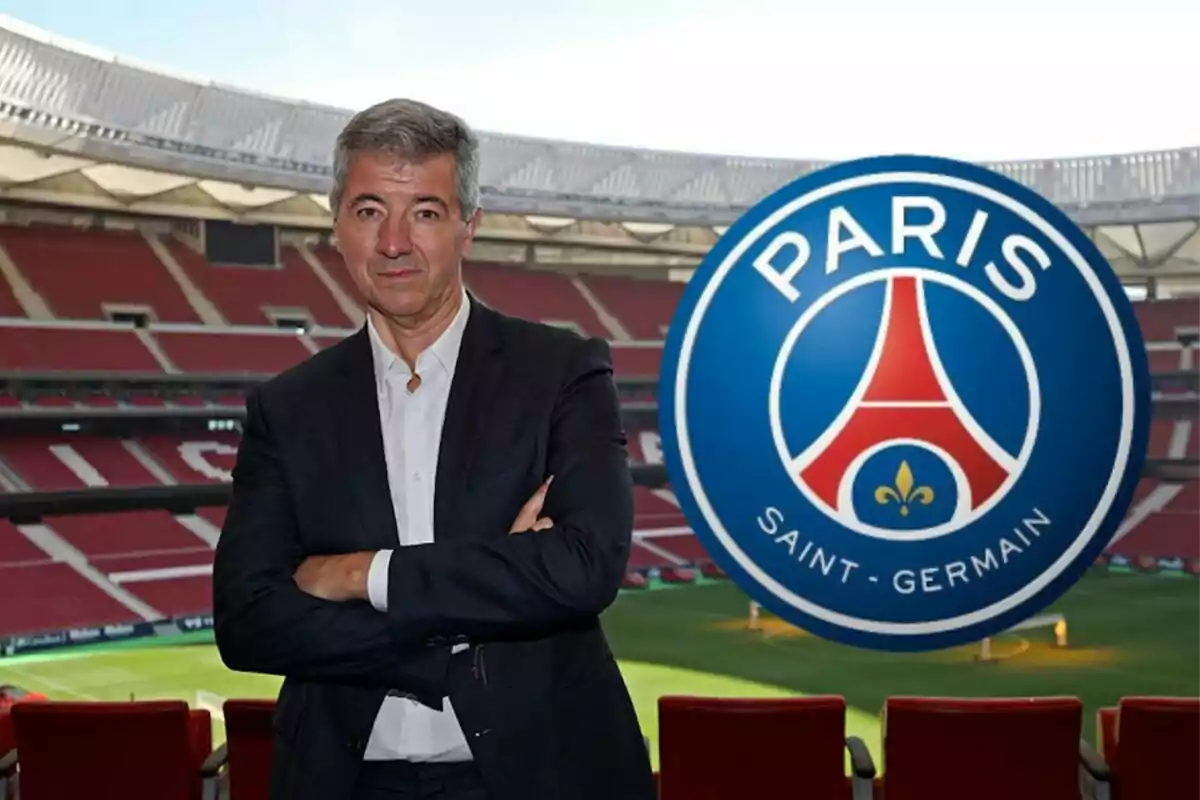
(7, 742)
(335, 267)
(984, 749)
(1163, 320)
(149, 750)
(719, 748)
(8, 761)
(264, 352)
(1152, 747)
(533, 294)
(250, 745)
(51, 596)
(91, 347)
(244, 294)
(81, 273)
(645, 307)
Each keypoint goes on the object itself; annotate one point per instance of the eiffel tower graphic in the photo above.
(904, 397)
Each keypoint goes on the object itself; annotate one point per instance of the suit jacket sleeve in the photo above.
(265, 623)
(530, 583)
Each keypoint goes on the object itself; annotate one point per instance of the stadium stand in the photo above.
(247, 295)
(644, 307)
(74, 347)
(1167, 320)
(89, 273)
(335, 268)
(124, 533)
(542, 296)
(47, 595)
(61, 463)
(9, 307)
(1164, 529)
(261, 352)
(200, 460)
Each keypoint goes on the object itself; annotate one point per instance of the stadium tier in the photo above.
(644, 309)
(124, 301)
(153, 564)
(76, 300)
(78, 274)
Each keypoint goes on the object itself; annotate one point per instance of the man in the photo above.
(429, 517)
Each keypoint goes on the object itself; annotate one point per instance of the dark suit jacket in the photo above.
(543, 706)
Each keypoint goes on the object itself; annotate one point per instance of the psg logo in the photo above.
(904, 403)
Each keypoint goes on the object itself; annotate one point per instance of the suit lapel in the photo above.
(477, 377)
(360, 442)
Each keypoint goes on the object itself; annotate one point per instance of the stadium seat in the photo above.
(8, 756)
(264, 352)
(250, 745)
(717, 748)
(81, 273)
(54, 596)
(653, 513)
(97, 347)
(335, 267)
(645, 307)
(9, 696)
(1162, 320)
(937, 748)
(534, 295)
(244, 294)
(1151, 747)
(147, 750)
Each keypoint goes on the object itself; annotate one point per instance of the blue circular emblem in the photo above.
(904, 403)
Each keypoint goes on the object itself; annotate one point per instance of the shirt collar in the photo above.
(443, 351)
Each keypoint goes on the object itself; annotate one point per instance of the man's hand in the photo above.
(335, 578)
(530, 519)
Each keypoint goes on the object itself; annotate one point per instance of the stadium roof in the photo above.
(78, 126)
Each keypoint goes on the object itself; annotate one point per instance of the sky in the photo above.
(832, 79)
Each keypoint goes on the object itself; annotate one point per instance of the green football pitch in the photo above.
(1126, 635)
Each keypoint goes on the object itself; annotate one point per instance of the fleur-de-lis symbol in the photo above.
(904, 493)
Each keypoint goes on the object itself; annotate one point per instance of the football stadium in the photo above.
(165, 247)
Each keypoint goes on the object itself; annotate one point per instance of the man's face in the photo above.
(401, 233)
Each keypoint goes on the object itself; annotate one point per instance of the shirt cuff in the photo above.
(377, 580)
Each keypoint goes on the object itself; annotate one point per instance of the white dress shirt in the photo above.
(412, 430)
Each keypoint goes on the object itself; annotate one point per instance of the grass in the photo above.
(1128, 634)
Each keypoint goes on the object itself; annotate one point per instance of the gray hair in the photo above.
(411, 130)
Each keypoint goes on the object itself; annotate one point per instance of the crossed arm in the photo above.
(364, 576)
(479, 588)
